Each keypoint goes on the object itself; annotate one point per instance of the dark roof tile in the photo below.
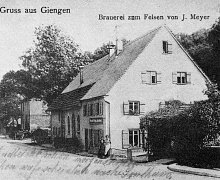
(69, 99)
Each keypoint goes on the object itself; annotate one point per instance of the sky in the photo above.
(84, 26)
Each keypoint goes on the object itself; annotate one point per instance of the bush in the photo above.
(185, 135)
(72, 145)
(193, 131)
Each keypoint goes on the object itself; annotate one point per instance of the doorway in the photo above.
(86, 140)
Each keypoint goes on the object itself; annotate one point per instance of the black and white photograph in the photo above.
(109, 89)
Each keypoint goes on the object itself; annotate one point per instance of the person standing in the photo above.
(101, 152)
(107, 145)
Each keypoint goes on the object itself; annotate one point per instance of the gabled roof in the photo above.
(105, 72)
(100, 76)
(69, 99)
(195, 64)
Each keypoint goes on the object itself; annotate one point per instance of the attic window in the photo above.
(151, 77)
(181, 77)
(167, 48)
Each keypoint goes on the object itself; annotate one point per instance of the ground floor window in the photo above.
(78, 125)
(133, 138)
(93, 137)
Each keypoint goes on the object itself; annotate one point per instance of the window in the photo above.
(73, 125)
(133, 108)
(134, 138)
(68, 125)
(91, 110)
(151, 77)
(54, 130)
(101, 108)
(181, 78)
(97, 109)
(85, 110)
(78, 125)
(60, 116)
(88, 110)
(167, 48)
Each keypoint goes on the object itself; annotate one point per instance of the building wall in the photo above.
(130, 86)
(85, 123)
(55, 124)
(34, 115)
(25, 115)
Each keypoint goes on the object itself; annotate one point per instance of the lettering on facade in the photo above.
(96, 120)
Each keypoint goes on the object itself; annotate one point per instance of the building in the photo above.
(34, 115)
(109, 96)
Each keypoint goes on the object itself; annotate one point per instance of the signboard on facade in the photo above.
(96, 120)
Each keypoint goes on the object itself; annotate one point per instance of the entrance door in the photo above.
(86, 139)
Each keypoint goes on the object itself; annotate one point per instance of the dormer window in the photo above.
(167, 48)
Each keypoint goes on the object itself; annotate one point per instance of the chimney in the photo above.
(81, 74)
(111, 48)
(119, 47)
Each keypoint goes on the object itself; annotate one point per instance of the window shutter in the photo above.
(125, 109)
(169, 48)
(158, 77)
(148, 77)
(144, 77)
(88, 109)
(188, 76)
(94, 109)
(125, 139)
(141, 138)
(142, 109)
(101, 108)
(174, 77)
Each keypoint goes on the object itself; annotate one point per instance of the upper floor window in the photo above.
(85, 110)
(96, 108)
(167, 48)
(68, 125)
(151, 77)
(181, 77)
(93, 109)
(133, 108)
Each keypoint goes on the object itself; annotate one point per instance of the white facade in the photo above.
(131, 88)
(153, 77)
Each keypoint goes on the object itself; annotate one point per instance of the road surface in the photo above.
(19, 161)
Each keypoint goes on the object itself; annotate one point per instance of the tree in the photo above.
(53, 62)
(9, 99)
(20, 83)
(204, 47)
(100, 52)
